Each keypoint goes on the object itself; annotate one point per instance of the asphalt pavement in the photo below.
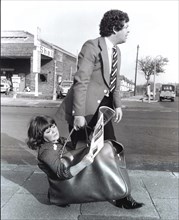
(24, 188)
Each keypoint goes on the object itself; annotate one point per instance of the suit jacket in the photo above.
(91, 82)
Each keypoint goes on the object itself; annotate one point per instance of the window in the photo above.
(60, 57)
(43, 78)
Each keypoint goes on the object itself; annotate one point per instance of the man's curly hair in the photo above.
(112, 20)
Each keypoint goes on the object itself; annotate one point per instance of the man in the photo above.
(97, 83)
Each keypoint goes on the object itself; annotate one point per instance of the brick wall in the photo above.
(64, 63)
(16, 49)
(47, 68)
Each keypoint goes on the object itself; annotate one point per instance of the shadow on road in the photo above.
(18, 178)
(14, 151)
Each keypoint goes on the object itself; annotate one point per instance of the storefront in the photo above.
(19, 60)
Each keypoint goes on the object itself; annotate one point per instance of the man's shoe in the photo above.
(128, 203)
(63, 206)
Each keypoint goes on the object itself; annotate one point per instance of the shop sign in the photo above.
(46, 51)
(16, 81)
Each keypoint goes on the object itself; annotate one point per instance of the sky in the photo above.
(153, 26)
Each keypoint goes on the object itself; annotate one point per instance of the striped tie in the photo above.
(113, 74)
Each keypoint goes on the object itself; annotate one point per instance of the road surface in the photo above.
(148, 132)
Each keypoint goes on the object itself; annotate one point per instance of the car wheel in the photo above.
(172, 100)
(160, 99)
(7, 92)
(61, 95)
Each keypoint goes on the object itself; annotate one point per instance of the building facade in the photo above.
(18, 63)
(126, 84)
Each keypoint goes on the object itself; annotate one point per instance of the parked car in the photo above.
(63, 88)
(167, 92)
(177, 90)
(5, 85)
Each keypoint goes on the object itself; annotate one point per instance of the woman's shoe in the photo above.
(128, 203)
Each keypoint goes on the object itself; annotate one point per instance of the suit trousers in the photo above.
(80, 135)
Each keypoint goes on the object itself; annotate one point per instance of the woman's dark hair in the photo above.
(36, 129)
(112, 20)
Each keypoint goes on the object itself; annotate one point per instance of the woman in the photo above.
(43, 136)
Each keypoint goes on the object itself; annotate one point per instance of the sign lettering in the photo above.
(46, 51)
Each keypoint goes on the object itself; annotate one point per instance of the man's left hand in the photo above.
(118, 115)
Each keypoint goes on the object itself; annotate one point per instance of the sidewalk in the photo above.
(30, 102)
(24, 196)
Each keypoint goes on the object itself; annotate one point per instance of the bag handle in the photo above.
(68, 138)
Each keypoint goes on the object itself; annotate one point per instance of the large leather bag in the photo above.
(106, 179)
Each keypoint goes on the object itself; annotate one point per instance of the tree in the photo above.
(150, 66)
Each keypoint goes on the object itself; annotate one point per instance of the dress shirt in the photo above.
(109, 49)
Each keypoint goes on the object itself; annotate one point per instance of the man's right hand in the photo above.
(79, 122)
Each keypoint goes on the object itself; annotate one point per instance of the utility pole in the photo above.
(154, 80)
(71, 71)
(55, 81)
(156, 60)
(36, 58)
(136, 70)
